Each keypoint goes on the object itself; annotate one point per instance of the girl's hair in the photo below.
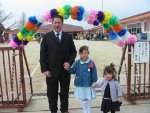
(110, 69)
(82, 48)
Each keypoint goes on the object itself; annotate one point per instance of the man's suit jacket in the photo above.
(53, 53)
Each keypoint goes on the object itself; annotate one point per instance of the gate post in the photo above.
(129, 72)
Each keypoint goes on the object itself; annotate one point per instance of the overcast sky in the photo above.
(120, 8)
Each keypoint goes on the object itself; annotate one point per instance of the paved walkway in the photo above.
(39, 104)
(141, 108)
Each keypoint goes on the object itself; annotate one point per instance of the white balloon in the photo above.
(85, 15)
(125, 37)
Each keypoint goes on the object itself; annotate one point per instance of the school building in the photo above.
(139, 23)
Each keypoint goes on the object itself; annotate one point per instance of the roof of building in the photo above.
(48, 27)
(137, 17)
(66, 28)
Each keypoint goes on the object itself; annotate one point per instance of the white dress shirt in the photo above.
(59, 36)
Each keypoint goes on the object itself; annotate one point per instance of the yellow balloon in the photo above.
(29, 38)
(20, 36)
(61, 11)
(108, 16)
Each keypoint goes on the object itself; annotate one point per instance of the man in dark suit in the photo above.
(56, 55)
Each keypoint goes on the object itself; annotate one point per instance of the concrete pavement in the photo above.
(39, 104)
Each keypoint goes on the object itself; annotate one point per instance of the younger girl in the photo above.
(110, 89)
(85, 75)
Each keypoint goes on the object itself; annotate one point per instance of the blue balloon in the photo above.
(39, 24)
(79, 18)
(80, 10)
(33, 19)
(80, 13)
(122, 32)
(112, 35)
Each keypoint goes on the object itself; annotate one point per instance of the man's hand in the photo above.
(47, 74)
(66, 66)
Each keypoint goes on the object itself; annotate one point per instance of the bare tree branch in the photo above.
(8, 16)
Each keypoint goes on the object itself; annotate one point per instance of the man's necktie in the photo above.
(57, 36)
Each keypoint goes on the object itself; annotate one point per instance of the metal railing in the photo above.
(15, 89)
(137, 76)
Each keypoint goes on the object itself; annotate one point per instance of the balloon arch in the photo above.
(117, 33)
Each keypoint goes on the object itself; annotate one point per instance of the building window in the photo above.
(146, 26)
(134, 28)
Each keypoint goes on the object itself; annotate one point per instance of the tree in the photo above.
(4, 18)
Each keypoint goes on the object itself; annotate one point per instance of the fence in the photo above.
(15, 81)
(137, 75)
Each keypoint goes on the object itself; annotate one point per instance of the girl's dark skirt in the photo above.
(108, 105)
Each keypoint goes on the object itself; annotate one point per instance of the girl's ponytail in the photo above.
(110, 69)
(114, 72)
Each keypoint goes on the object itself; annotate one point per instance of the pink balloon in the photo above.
(132, 39)
(91, 17)
(121, 43)
(47, 16)
(94, 13)
(12, 44)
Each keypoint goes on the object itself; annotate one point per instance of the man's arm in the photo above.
(44, 55)
(73, 52)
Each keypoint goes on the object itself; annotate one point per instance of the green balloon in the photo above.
(114, 21)
(31, 33)
(106, 26)
(24, 31)
(67, 9)
(66, 16)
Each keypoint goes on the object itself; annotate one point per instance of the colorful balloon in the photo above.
(61, 12)
(132, 39)
(12, 43)
(47, 16)
(53, 12)
(117, 28)
(107, 16)
(111, 24)
(67, 9)
(122, 32)
(74, 10)
(80, 13)
(33, 19)
(121, 43)
(114, 21)
(112, 36)
(24, 31)
(96, 23)
(92, 17)
(20, 36)
(100, 16)
(29, 38)
(126, 36)
(29, 26)
(106, 26)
